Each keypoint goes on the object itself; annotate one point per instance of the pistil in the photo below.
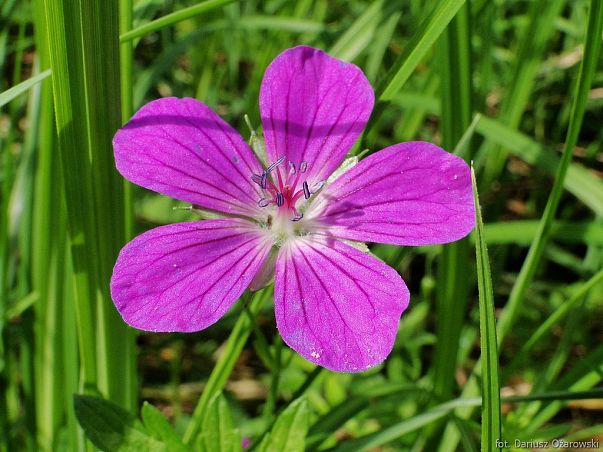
(281, 190)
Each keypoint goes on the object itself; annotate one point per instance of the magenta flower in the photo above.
(335, 304)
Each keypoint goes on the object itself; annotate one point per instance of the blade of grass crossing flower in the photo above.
(221, 371)
(173, 18)
(491, 414)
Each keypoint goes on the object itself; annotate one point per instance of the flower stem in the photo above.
(268, 411)
(219, 375)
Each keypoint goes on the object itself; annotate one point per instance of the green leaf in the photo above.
(491, 415)
(11, 93)
(159, 428)
(217, 431)
(289, 430)
(111, 428)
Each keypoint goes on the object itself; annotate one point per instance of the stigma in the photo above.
(283, 185)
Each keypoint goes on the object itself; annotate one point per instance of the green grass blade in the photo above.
(11, 93)
(84, 59)
(126, 58)
(64, 38)
(428, 32)
(522, 232)
(100, 27)
(290, 24)
(173, 18)
(454, 50)
(491, 414)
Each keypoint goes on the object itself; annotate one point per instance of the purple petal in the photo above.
(313, 108)
(181, 148)
(408, 194)
(185, 276)
(335, 305)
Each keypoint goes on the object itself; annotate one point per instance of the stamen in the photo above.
(306, 190)
(257, 179)
(280, 199)
(281, 189)
(275, 164)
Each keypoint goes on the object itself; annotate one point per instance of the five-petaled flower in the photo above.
(335, 304)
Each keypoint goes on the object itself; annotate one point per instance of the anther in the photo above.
(292, 167)
(263, 202)
(257, 179)
(297, 217)
(303, 166)
(280, 199)
(306, 190)
(275, 164)
(264, 180)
